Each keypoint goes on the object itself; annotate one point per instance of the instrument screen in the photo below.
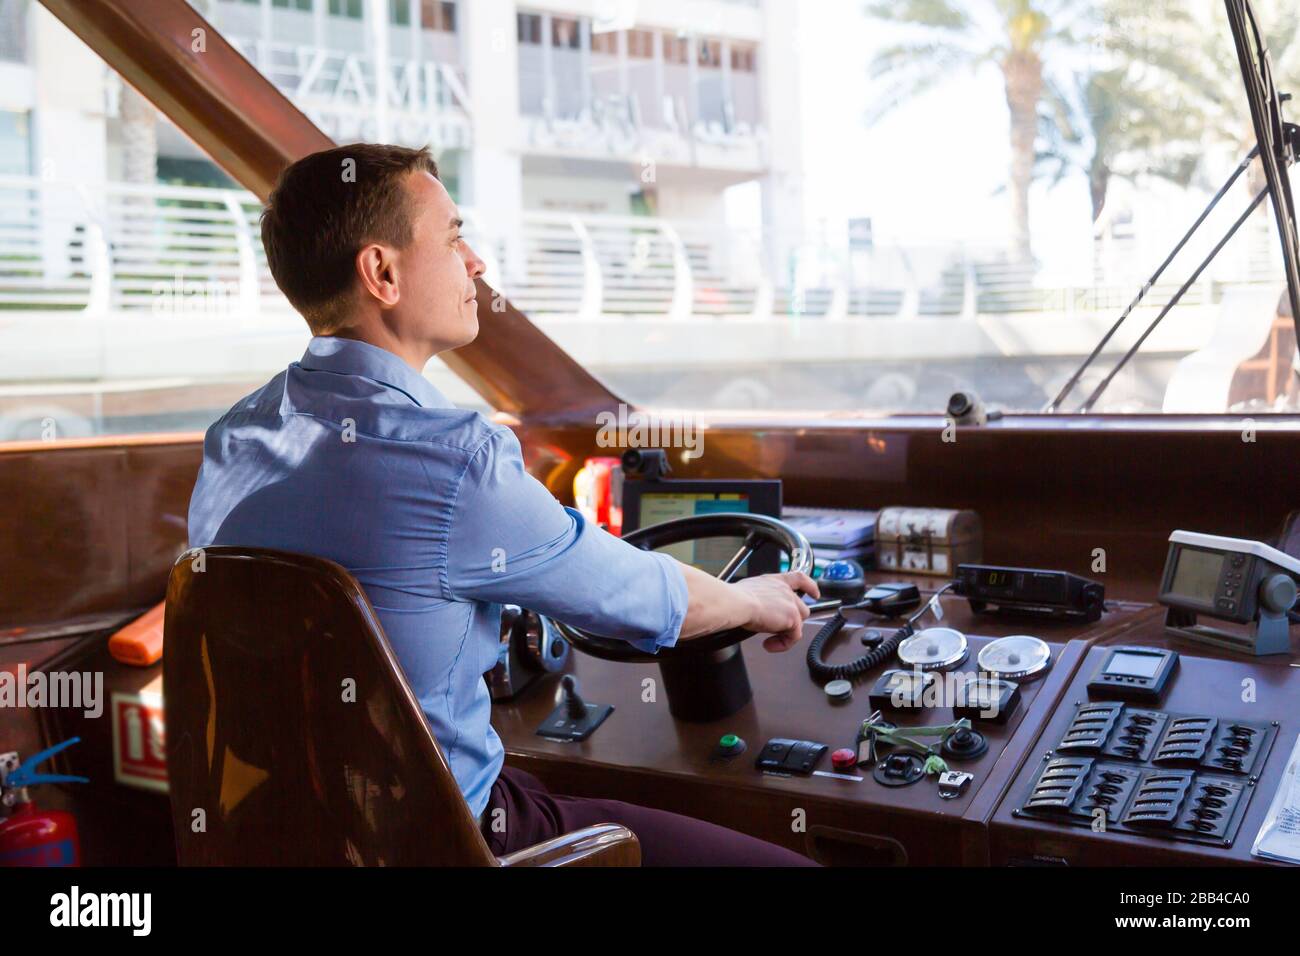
(1134, 665)
(1197, 573)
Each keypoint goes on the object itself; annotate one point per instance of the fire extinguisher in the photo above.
(30, 836)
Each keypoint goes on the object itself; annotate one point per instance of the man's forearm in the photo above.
(712, 605)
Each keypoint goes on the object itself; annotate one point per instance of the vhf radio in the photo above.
(1032, 591)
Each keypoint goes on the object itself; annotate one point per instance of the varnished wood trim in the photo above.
(106, 442)
(605, 844)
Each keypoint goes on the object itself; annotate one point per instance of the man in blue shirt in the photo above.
(352, 455)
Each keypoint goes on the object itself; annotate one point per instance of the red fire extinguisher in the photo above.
(30, 836)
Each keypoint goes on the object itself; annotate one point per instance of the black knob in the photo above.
(959, 404)
(1277, 593)
(649, 464)
(574, 705)
(897, 765)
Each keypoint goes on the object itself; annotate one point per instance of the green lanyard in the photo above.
(906, 737)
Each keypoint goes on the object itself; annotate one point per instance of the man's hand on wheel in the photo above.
(777, 606)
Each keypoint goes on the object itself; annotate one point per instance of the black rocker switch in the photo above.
(573, 718)
(774, 753)
(804, 756)
(780, 755)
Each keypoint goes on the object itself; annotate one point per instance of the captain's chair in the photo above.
(294, 739)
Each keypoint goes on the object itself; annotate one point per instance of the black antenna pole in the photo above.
(1055, 404)
(1096, 392)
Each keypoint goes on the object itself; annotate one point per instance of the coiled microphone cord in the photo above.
(822, 671)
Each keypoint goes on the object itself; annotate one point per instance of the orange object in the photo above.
(140, 643)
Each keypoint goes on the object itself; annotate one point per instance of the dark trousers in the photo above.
(533, 814)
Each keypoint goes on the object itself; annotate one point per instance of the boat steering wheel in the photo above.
(756, 530)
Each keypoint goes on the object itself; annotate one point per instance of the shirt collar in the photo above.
(329, 353)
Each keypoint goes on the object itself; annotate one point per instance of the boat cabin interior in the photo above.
(1054, 636)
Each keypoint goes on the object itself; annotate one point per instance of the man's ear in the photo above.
(377, 269)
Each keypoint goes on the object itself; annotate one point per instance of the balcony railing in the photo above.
(130, 250)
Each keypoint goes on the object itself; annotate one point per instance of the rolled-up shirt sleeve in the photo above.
(510, 541)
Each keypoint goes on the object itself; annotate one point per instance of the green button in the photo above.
(728, 741)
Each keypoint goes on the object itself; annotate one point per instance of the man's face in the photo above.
(437, 270)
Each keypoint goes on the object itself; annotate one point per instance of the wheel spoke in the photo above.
(752, 541)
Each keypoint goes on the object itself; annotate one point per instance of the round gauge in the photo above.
(1018, 657)
(934, 649)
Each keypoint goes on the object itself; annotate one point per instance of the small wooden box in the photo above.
(927, 540)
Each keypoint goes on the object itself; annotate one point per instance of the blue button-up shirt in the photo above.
(351, 455)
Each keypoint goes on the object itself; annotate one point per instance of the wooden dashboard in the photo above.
(129, 525)
(1261, 691)
(642, 753)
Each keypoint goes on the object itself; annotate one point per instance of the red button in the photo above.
(844, 759)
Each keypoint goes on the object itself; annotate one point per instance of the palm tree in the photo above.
(139, 125)
(1167, 91)
(1017, 36)
(1107, 126)
(1197, 65)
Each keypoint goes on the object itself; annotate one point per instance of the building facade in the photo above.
(581, 106)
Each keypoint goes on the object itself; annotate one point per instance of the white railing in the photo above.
(130, 249)
(116, 247)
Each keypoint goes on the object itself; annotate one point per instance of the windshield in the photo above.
(762, 205)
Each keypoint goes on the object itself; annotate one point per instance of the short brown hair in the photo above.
(323, 209)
